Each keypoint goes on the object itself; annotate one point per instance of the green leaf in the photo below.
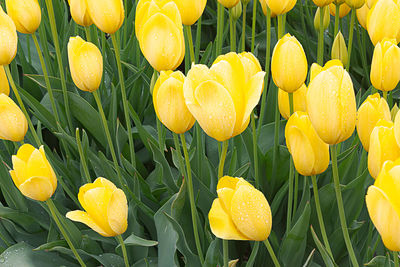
(380, 261)
(322, 250)
(134, 240)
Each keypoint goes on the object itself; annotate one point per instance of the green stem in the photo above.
(396, 259)
(271, 253)
(342, 215)
(337, 13)
(222, 159)
(253, 254)
(124, 100)
(125, 37)
(225, 248)
(191, 199)
(190, 40)
(221, 11)
(53, 211)
(320, 217)
(198, 39)
(123, 248)
(385, 95)
(290, 196)
(320, 55)
(253, 26)
(180, 158)
(280, 26)
(82, 156)
(255, 149)
(243, 47)
(351, 34)
(160, 135)
(87, 31)
(231, 31)
(296, 190)
(21, 104)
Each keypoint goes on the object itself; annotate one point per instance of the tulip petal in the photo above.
(37, 188)
(117, 212)
(53, 177)
(38, 166)
(227, 182)
(19, 170)
(13, 123)
(376, 67)
(388, 181)
(4, 86)
(106, 14)
(83, 217)
(225, 197)
(391, 68)
(103, 182)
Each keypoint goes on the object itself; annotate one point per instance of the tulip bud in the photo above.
(80, 13)
(9, 39)
(393, 113)
(85, 63)
(26, 14)
(362, 14)
(160, 33)
(331, 103)
(317, 18)
(370, 112)
(228, 3)
(355, 3)
(106, 208)
(32, 173)
(13, 123)
(322, 3)
(343, 10)
(339, 49)
(289, 64)
(385, 66)
(299, 101)
(236, 11)
(382, 203)
(4, 86)
(279, 7)
(382, 147)
(107, 15)
(240, 212)
(264, 6)
(222, 98)
(190, 10)
(383, 21)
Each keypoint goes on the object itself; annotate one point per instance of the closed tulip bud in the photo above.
(106, 208)
(383, 204)
(228, 3)
(32, 173)
(299, 101)
(331, 103)
(343, 10)
(355, 3)
(264, 6)
(383, 21)
(370, 112)
(393, 113)
(322, 3)
(240, 212)
(160, 33)
(362, 14)
(279, 7)
(169, 102)
(236, 11)
(85, 63)
(13, 123)
(289, 64)
(339, 49)
(385, 66)
(80, 13)
(382, 147)
(310, 154)
(190, 10)
(8, 39)
(26, 14)
(107, 15)
(327, 18)
(222, 98)
(4, 86)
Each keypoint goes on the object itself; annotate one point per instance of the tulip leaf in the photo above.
(380, 261)
(329, 262)
(134, 240)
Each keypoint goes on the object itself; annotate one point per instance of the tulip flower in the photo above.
(356, 4)
(106, 208)
(264, 8)
(383, 21)
(362, 14)
(26, 14)
(331, 103)
(289, 64)
(86, 64)
(160, 33)
(279, 7)
(107, 15)
(382, 147)
(385, 66)
(322, 3)
(383, 204)
(240, 212)
(317, 18)
(339, 49)
(370, 112)
(228, 3)
(222, 98)
(393, 114)
(32, 173)
(169, 102)
(343, 10)
(299, 101)
(80, 13)
(13, 123)
(4, 86)
(190, 10)
(236, 11)
(9, 39)
(397, 127)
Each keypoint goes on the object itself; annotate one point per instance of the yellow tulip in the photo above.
(338, 2)
(80, 13)
(4, 86)
(264, 8)
(299, 101)
(9, 39)
(397, 127)
(169, 102)
(383, 204)
(339, 49)
(289, 64)
(310, 154)
(160, 33)
(228, 3)
(370, 3)
(393, 113)
(370, 112)
(331, 103)
(106, 208)
(279, 7)
(355, 3)
(383, 21)
(344, 9)
(327, 18)
(26, 14)
(190, 10)
(382, 147)
(13, 123)
(236, 11)
(107, 15)
(322, 3)
(362, 14)
(385, 66)
(222, 98)
(32, 173)
(85, 63)
(240, 212)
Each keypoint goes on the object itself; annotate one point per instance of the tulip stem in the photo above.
(337, 13)
(320, 55)
(222, 158)
(88, 37)
(271, 253)
(351, 34)
(255, 150)
(319, 214)
(53, 212)
(243, 44)
(339, 199)
(232, 30)
(385, 95)
(124, 100)
(188, 31)
(396, 259)
(123, 248)
(198, 39)
(191, 199)
(253, 26)
(225, 249)
(82, 156)
(296, 190)
(220, 25)
(180, 158)
(291, 173)
(21, 104)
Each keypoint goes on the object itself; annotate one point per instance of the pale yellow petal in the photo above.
(117, 212)
(37, 188)
(83, 217)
